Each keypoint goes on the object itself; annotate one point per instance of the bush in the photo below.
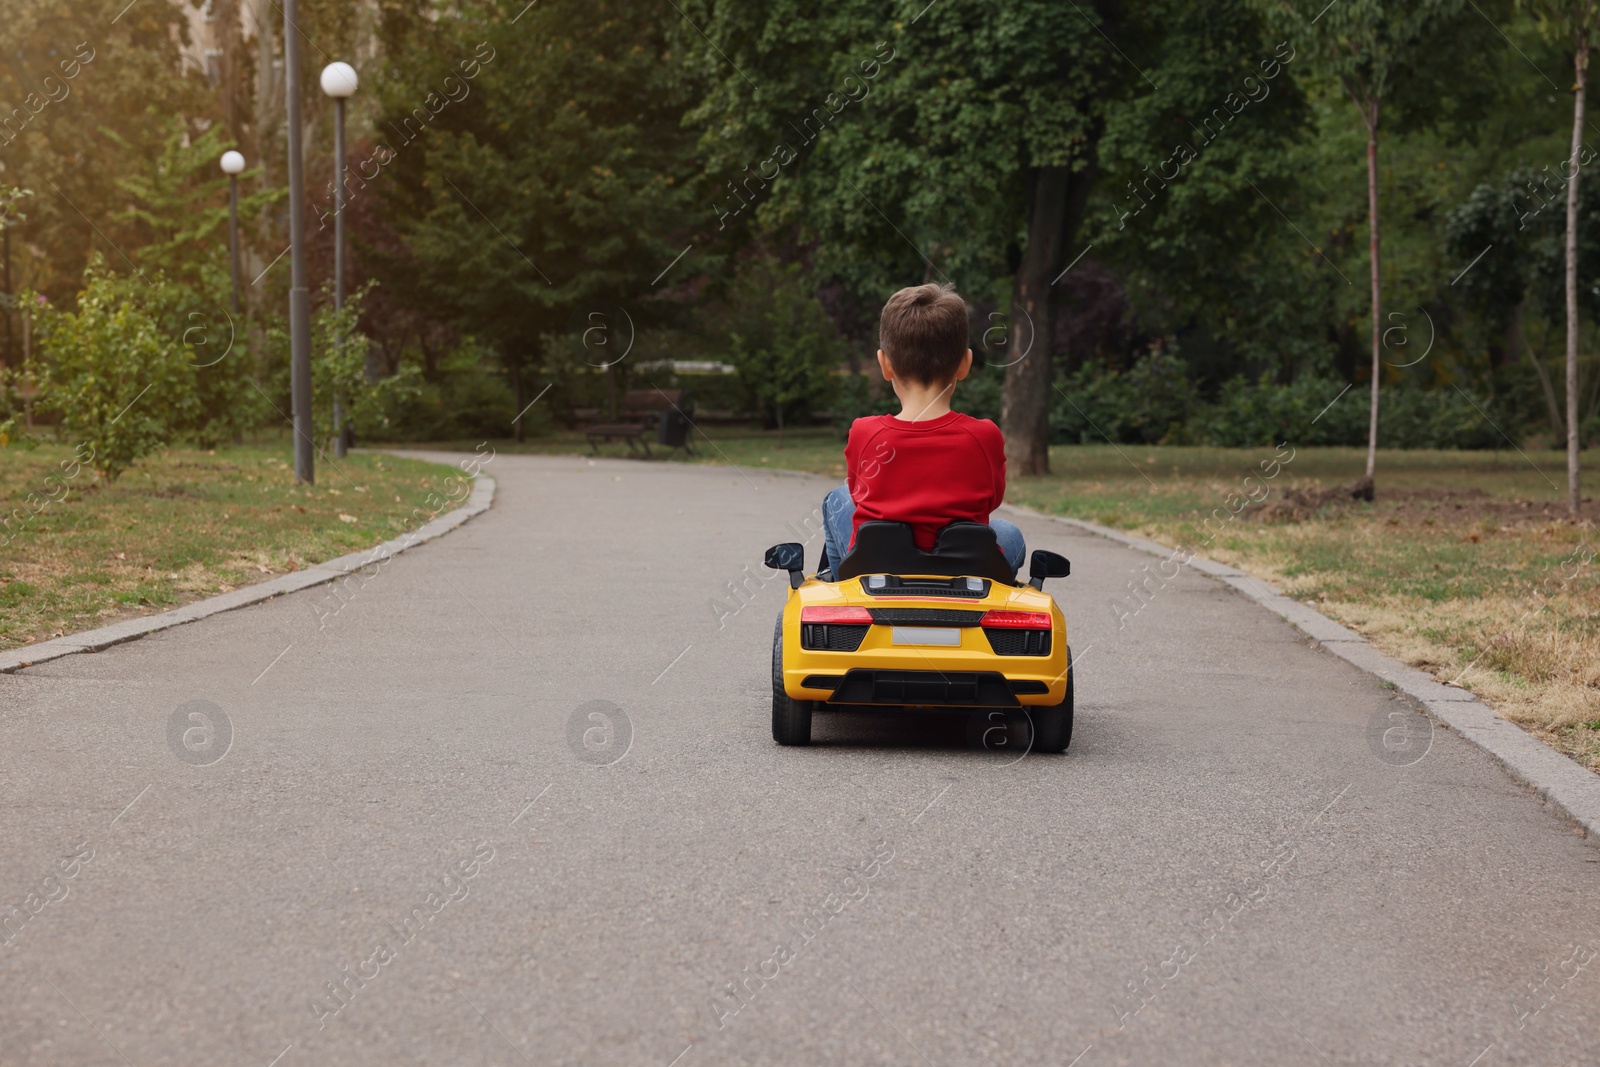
(1154, 402)
(120, 383)
(469, 398)
(1142, 405)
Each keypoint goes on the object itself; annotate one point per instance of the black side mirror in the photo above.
(789, 556)
(1047, 565)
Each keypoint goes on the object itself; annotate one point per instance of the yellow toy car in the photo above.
(946, 630)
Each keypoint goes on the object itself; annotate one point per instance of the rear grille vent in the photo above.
(1018, 642)
(831, 637)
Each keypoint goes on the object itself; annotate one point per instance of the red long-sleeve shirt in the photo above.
(927, 474)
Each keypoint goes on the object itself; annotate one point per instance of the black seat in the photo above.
(963, 549)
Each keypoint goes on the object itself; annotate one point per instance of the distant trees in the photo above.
(564, 184)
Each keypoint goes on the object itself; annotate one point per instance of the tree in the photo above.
(1196, 172)
(1372, 47)
(11, 213)
(955, 144)
(969, 143)
(1579, 21)
(553, 182)
(1526, 276)
(781, 341)
(68, 76)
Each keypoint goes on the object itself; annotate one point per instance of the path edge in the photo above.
(480, 500)
(1557, 779)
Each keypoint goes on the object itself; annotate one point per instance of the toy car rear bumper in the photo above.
(968, 689)
(896, 678)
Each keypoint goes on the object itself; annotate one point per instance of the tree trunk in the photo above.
(1377, 296)
(1514, 341)
(1551, 404)
(1055, 207)
(516, 392)
(1580, 71)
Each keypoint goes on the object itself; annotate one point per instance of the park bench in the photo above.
(662, 413)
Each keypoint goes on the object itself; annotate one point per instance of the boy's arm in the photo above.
(997, 466)
(852, 456)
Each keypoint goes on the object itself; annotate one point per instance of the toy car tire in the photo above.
(791, 719)
(1052, 727)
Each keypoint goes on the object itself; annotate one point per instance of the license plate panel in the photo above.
(936, 636)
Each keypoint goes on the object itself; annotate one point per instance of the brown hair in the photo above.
(923, 331)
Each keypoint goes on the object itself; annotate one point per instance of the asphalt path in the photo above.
(516, 802)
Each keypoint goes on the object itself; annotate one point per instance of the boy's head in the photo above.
(923, 332)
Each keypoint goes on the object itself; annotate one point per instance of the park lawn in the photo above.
(1464, 566)
(186, 524)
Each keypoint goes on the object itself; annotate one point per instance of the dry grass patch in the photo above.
(184, 525)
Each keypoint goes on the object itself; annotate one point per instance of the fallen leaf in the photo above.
(347, 518)
(122, 555)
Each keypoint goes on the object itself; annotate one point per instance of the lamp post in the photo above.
(233, 166)
(5, 226)
(299, 295)
(339, 82)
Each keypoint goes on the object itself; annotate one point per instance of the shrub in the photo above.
(1142, 405)
(468, 398)
(119, 382)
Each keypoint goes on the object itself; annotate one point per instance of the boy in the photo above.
(928, 465)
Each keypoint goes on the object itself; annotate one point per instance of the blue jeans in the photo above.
(838, 529)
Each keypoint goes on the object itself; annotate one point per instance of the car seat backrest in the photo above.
(962, 548)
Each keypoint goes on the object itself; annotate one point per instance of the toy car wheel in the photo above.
(1052, 727)
(791, 719)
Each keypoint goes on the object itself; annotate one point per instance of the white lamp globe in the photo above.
(339, 80)
(232, 163)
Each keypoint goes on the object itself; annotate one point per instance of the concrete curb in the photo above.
(1557, 779)
(131, 629)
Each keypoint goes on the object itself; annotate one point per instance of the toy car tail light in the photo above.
(850, 616)
(1016, 620)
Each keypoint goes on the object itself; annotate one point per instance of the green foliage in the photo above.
(467, 398)
(113, 84)
(177, 207)
(118, 381)
(1154, 402)
(558, 186)
(339, 353)
(900, 150)
(781, 342)
(1145, 404)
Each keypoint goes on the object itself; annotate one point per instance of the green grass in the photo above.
(183, 525)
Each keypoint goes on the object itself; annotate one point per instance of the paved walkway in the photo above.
(516, 802)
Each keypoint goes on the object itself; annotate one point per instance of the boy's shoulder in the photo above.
(955, 423)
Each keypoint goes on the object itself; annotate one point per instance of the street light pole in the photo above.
(233, 166)
(339, 82)
(299, 295)
(5, 224)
